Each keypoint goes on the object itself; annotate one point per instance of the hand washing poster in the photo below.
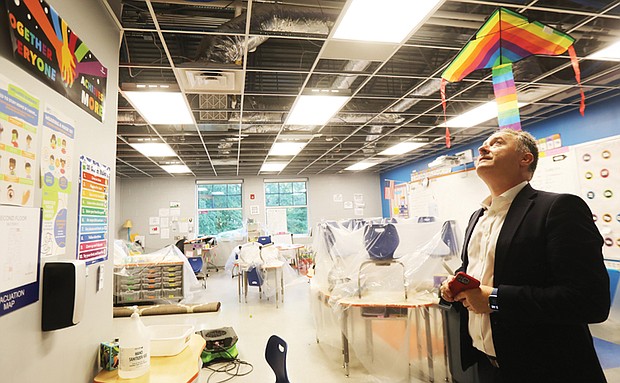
(93, 211)
(45, 46)
(19, 117)
(58, 134)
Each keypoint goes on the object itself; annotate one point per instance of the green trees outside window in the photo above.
(219, 208)
(293, 196)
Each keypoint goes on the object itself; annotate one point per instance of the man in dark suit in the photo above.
(539, 260)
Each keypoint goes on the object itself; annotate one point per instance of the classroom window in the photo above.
(292, 196)
(219, 207)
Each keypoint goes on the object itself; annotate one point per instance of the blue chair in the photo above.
(275, 355)
(197, 263)
(264, 240)
(381, 241)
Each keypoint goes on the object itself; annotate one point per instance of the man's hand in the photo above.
(476, 300)
(446, 294)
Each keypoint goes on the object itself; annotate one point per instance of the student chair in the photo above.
(275, 355)
(264, 239)
(197, 263)
(381, 241)
(250, 262)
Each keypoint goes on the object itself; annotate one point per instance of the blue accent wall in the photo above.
(600, 121)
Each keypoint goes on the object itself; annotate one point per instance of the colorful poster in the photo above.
(58, 134)
(93, 211)
(19, 118)
(45, 46)
(598, 166)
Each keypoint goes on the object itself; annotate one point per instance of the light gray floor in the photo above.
(255, 321)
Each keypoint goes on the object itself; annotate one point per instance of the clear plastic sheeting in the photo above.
(265, 259)
(163, 276)
(367, 271)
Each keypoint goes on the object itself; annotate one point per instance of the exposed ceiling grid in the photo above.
(247, 72)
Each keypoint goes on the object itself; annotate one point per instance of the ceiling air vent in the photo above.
(211, 81)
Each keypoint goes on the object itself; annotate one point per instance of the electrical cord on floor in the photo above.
(225, 367)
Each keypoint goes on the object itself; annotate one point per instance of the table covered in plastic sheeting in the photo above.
(163, 276)
(374, 293)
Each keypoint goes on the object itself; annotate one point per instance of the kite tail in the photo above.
(442, 91)
(575, 63)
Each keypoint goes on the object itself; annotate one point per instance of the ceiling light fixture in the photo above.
(176, 169)
(161, 107)
(273, 166)
(361, 165)
(390, 22)
(476, 116)
(315, 109)
(402, 148)
(609, 53)
(286, 148)
(153, 149)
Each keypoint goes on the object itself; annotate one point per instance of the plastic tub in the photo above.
(168, 340)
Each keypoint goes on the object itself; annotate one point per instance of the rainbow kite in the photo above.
(507, 37)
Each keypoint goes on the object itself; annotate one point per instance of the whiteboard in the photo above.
(276, 221)
(456, 196)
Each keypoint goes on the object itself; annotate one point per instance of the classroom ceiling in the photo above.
(240, 94)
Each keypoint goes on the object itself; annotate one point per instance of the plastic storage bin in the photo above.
(168, 340)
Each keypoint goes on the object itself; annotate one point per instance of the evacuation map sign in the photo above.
(93, 211)
(45, 46)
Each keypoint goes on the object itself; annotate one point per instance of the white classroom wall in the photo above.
(28, 354)
(142, 198)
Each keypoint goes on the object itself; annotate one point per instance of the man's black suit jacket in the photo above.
(552, 282)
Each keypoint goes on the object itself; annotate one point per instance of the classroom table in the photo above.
(181, 368)
(277, 267)
(413, 305)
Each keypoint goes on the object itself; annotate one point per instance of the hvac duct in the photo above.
(265, 18)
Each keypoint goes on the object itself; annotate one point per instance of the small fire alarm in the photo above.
(252, 196)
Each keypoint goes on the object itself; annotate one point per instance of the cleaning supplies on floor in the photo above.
(134, 349)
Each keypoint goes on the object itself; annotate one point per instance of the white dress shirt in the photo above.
(481, 254)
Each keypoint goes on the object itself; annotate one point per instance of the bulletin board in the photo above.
(590, 170)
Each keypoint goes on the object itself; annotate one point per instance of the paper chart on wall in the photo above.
(599, 180)
(19, 119)
(19, 258)
(93, 211)
(58, 134)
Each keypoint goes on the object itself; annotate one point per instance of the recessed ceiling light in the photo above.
(161, 107)
(402, 148)
(273, 166)
(286, 148)
(361, 165)
(315, 109)
(475, 116)
(610, 53)
(153, 149)
(390, 22)
(174, 169)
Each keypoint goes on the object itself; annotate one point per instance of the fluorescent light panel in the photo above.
(315, 110)
(286, 148)
(402, 148)
(388, 21)
(476, 116)
(161, 107)
(361, 165)
(154, 149)
(273, 166)
(174, 169)
(610, 53)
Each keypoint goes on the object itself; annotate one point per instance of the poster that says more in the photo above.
(58, 134)
(45, 46)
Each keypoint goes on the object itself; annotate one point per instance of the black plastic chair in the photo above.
(275, 355)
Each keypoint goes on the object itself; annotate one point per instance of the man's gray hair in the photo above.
(526, 143)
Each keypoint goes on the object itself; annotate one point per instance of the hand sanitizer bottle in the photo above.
(134, 349)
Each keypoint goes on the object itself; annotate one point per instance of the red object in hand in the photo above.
(462, 282)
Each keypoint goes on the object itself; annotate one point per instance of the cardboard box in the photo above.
(108, 355)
